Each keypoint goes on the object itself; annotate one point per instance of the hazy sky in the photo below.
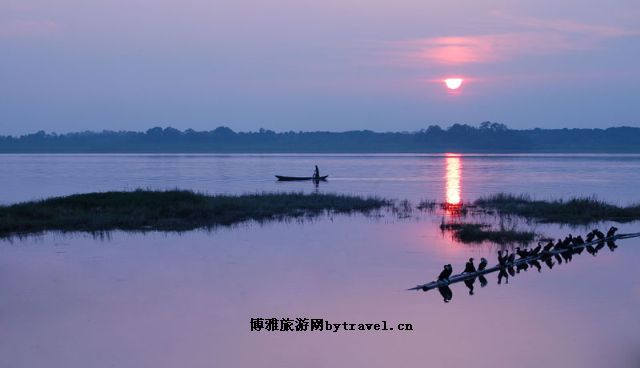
(68, 65)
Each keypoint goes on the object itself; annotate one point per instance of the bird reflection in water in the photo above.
(469, 284)
(483, 281)
(446, 293)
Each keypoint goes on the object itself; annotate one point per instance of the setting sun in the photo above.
(453, 83)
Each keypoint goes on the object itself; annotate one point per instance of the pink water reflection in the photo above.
(453, 188)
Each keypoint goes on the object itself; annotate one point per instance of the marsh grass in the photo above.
(579, 210)
(171, 210)
(480, 232)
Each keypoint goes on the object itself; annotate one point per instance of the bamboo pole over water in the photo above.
(472, 275)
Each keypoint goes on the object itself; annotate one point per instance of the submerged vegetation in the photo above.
(579, 210)
(173, 210)
(478, 233)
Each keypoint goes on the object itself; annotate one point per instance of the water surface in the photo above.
(167, 299)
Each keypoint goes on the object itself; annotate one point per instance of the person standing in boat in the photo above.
(316, 173)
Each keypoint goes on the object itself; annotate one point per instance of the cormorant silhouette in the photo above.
(612, 231)
(548, 246)
(522, 253)
(612, 245)
(598, 233)
(590, 236)
(511, 258)
(578, 240)
(558, 245)
(469, 267)
(536, 250)
(502, 260)
(591, 250)
(444, 275)
(483, 264)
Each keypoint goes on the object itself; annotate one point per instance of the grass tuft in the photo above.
(579, 210)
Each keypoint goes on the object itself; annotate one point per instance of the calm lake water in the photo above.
(186, 300)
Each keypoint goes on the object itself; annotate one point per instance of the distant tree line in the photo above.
(487, 137)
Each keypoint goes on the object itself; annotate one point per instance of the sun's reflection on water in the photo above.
(453, 200)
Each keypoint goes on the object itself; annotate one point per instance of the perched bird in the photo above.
(511, 258)
(599, 234)
(483, 264)
(523, 253)
(578, 240)
(502, 260)
(612, 246)
(469, 267)
(536, 250)
(590, 237)
(558, 245)
(444, 275)
(548, 246)
(612, 231)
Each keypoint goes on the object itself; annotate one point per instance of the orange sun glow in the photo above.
(453, 83)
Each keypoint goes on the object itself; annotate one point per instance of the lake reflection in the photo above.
(167, 300)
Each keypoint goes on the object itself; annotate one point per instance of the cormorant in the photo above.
(469, 267)
(511, 258)
(483, 264)
(612, 231)
(599, 234)
(590, 237)
(536, 250)
(502, 260)
(548, 246)
(444, 275)
(558, 245)
(523, 253)
(612, 246)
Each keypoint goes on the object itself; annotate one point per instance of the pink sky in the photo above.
(301, 65)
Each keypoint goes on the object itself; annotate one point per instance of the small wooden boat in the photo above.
(301, 178)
